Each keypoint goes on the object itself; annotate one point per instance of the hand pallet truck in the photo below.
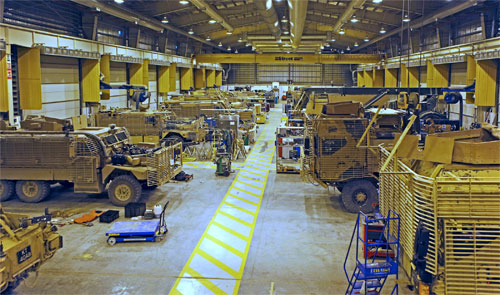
(138, 231)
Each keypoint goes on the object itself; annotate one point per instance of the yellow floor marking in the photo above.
(193, 165)
(241, 175)
(230, 230)
(209, 285)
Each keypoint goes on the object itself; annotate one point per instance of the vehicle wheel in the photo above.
(7, 189)
(124, 189)
(359, 195)
(32, 191)
(111, 241)
(157, 239)
(226, 173)
(340, 186)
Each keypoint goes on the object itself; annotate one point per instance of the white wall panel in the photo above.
(152, 87)
(60, 88)
(118, 75)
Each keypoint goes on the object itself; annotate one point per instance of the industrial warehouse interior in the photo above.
(250, 147)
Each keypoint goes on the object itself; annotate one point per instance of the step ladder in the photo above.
(371, 272)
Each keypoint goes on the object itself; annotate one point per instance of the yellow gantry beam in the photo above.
(200, 79)
(270, 58)
(187, 79)
(210, 78)
(105, 67)
(218, 78)
(4, 94)
(90, 80)
(30, 78)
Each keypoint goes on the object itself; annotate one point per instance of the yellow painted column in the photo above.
(210, 78)
(486, 86)
(413, 76)
(90, 80)
(187, 80)
(173, 76)
(218, 78)
(136, 74)
(441, 75)
(471, 76)
(200, 78)
(378, 78)
(404, 76)
(368, 75)
(391, 77)
(4, 93)
(361, 78)
(145, 73)
(430, 74)
(30, 78)
(105, 67)
(163, 79)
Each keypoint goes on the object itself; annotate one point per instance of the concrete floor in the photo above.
(299, 241)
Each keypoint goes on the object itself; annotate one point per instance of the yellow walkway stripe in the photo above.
(250, 178)
(209, 285)
(218, 260)
(192, 165)
(239, 208)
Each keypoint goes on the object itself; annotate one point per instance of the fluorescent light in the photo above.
(383, 31)
(406, 19)
(164, 20)
(366, 39)
(191, 32)
(183, 2)
(212, 21)
(229, 33)
(354, 19)
(356, 44)
(377, 1)
(119, 1)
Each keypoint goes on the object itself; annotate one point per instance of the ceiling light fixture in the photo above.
(276, 23)
(333, 40)
(342, 51)
(286, 32)
(220, 44)
(284, 20)
(212, 21)
(383, 31)
(348, 48)
(97, 9)
(356, 44)
(208, 38)
(406, 19)
(240, 40)
(164, 20)
(229, 48)
(366, 39)
(229, 33)
(248, 44)
(354, 19)
(322, 47)
(191, 32)
(236, 51)
(184, 2)
(377, 1)
(327, 44)
(119, 1)
(342, 32)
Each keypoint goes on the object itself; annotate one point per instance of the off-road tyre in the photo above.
(351, 192)
(32, 191)
(7, 189)
(124, 189)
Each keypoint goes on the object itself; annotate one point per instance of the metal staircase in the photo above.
(370, 274)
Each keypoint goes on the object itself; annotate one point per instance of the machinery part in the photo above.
(7, 188)
(66, 184)
(359, 195)
(452, 97)
(431, 115)
(111, 241)
(173, 139)
(124, 189)
(32, 191)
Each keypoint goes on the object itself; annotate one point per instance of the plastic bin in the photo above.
(109, 216)
(135, 209)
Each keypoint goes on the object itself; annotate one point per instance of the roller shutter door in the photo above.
(118, 75)
(60, 88)
(152, 86)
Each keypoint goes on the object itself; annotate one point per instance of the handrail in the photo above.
(349, 249)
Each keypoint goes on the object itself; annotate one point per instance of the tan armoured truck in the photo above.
(92, 159)
(154, 126)
(25, 244)
(332, 156)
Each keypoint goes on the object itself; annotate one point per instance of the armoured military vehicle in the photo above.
(154, 126)
(333, 157)
(25, 244)
(90, 158)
